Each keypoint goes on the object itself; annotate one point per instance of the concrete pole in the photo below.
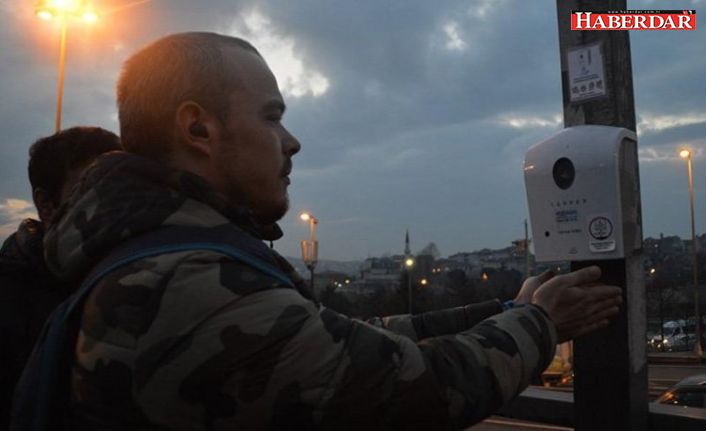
(610, 365)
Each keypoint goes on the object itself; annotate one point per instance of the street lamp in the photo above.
(686, 154)
(653, 277)
(62, 10)
(409, 263)
(310, 247)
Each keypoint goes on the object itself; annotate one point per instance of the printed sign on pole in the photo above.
(586, 73)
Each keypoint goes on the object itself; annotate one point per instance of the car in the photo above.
(689, 392)
(678, 336)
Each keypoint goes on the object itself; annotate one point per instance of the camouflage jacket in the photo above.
(197, 341)
(28, 294)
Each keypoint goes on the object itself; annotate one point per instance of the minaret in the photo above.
(407, 251)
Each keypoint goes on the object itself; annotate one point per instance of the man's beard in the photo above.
(271, 215)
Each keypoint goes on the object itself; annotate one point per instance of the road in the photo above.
(661, 377)
(497, 423)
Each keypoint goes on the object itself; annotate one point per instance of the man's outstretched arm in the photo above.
(439, 322)
(270, 358)
(458, 319)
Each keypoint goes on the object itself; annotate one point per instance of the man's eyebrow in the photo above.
(275, 104)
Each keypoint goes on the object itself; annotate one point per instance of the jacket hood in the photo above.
(123, 195)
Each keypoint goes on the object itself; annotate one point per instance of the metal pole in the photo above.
(409, 289)
(62, 63)
(527, 252)
(312, 228)
(661, 316)
(311, 271)
(697, 311)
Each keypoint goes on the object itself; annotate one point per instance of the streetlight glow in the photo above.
(424, 281)
(686, 154)
(90, 17)
(310, 247)
(61, 7)
(409, 262)
(63, 10)
(44, 14)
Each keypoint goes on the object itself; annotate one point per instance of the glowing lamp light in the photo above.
(305, 216)
(45, 14)
(65, 5)
(424, 281)
(90, 17)
(47, 9)
(409, 262)
(685, 154)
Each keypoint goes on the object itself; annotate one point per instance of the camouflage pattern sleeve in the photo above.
(216, 345)
(445, 382)
(441, 322)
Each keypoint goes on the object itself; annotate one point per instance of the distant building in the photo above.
(670, 244)
(382, 268)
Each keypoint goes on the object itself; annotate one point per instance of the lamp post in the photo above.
(62, 10)
(652, 273)
(686, 154)
(409, 263)
(310, 247)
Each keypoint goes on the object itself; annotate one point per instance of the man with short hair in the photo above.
(199, 339)
(28, 291)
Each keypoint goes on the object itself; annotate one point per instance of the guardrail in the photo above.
(557, 408)
(674, 359)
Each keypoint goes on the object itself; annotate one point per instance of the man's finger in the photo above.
(582, 276)
(591, 315)
(545, 276)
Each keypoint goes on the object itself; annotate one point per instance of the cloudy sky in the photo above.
(412, 114)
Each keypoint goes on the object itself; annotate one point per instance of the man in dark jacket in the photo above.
(28, 291)
(195, 339)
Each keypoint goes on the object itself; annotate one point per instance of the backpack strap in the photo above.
(226, 239)
(42, 395)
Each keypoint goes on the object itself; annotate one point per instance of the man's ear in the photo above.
(196, 127)
(45, 205)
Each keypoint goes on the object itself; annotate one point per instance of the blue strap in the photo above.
(230, 251)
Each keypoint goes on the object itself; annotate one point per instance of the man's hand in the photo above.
(576, 303)
(524, 296)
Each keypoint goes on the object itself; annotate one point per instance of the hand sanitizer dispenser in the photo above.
(583, 194)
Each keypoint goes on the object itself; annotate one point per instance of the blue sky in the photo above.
(412, 114)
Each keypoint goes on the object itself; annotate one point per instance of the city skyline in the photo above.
(414, 251)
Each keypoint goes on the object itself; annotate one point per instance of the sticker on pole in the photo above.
(601, 240)
(586, 73)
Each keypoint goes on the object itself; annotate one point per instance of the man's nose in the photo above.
(291, 145)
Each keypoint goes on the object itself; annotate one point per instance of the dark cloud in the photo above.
(414, 129)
